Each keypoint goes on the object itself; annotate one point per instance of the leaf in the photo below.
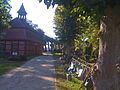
(1, 2)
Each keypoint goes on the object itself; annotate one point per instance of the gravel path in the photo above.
(36, 74)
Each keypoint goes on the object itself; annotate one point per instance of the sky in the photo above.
(37, 12)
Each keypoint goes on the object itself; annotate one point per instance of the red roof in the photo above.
(20, 23)
(21, 30)
(15, 34)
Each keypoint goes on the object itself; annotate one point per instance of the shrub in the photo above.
(17, 58)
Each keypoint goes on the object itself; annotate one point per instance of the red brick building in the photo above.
(21, 38)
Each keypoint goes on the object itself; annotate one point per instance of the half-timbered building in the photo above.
(21, 38)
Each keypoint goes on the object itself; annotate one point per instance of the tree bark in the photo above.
(107, 75)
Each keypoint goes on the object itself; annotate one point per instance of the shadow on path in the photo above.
(36, 74)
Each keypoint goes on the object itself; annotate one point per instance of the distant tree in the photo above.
(41, 34)
(35, 26)
(40, 31)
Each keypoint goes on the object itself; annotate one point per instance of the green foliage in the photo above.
(89, 7)
(73, 26)
(87, 39)
(87, 4)
(40, 31)
(65, 28)
(60, 23)
(62, 83)
(4, 14)
(6, 65)
(35, 26)
(65, 24)
(77, 22)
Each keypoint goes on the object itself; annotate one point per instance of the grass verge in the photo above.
(61, 81)
(6, 65)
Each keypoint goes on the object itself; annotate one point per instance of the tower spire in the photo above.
(22, 13)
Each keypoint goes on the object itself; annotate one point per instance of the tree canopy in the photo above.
(4, 14)
(89, 7)
(87, 16)
(82, 31)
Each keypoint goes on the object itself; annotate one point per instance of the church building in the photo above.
(21, 38)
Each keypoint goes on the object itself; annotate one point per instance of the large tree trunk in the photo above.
(107, 76)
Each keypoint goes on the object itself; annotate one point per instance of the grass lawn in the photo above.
(61, 81)
(6, 65)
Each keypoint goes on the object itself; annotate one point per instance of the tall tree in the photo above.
(65, 28)
(4, 14)
(107, 74)
(83, 28)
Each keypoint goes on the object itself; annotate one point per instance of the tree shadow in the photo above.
(37, 74)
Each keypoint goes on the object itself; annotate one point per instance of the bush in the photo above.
(17, 58)
(23, 58)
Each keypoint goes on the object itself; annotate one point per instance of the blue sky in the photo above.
(37, 12)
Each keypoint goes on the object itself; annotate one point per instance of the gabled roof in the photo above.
(22, 11)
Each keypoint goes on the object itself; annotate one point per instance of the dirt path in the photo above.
(36, 74)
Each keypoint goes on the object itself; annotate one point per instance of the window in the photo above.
(15, 47)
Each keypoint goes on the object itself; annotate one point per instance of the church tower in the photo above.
(22, 13)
